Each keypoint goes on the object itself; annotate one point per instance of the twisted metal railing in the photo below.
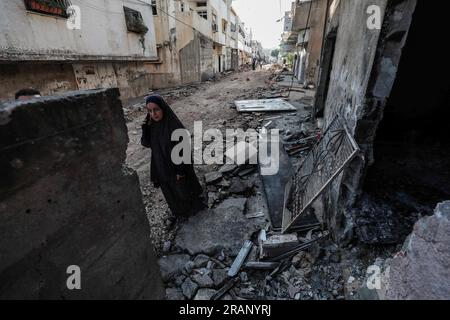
(323, 164)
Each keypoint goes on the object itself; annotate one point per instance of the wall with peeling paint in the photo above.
(363, 71)
(103, 36)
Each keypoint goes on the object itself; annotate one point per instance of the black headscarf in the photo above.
(157, 136)
(169, 118)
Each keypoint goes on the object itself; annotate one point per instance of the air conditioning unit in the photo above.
(215, 27)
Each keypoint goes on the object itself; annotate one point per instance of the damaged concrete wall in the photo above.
(103, 34)
(206, 58)
(66, 199)
(316, 27)
(190, 61)
(134, 79)
(197, 60)
(422, 270)
(47, 78)
(364, 69)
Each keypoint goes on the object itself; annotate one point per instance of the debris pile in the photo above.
(268, 267)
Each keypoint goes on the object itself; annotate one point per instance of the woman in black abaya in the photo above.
(178, 183)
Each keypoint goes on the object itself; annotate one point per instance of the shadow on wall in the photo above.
(68, 200)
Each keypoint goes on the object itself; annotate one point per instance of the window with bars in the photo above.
(49, 7)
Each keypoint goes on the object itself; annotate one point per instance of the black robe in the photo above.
(183, 196)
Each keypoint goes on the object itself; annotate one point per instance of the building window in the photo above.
(215, 27)
(201, 4)
(224, 26)
(134, 21)
(50, 7)
(154, 8)
(203, 14)
(182, 6)
(233, 27)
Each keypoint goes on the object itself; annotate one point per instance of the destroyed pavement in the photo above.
(207, 257)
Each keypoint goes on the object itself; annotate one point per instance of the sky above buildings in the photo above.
(261, 17)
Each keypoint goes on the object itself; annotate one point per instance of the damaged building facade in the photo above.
(111, 45)
(369, 80)
(136, 46)
(303, 36)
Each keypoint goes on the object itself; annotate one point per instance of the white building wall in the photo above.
(27, 35)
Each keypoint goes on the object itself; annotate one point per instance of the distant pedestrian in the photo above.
(178, 183)
(26, 94)
(254, 63)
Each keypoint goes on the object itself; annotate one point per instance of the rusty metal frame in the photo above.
(49, 7)
(322, 166)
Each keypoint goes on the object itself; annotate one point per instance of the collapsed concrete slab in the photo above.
(68, 200)
(224, 228)
(422, 270)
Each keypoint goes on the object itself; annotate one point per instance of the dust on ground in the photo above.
(212, 103)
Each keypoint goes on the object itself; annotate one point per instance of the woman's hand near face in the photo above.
(179, 178)
(148, 120)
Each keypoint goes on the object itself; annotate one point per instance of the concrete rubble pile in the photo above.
(230, 250)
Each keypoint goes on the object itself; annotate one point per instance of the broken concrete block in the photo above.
(174, 294)
(228, 168)
(213, 177)
(201, 261)
(238, 203)
(212, 198)
(189, 288)
(204, 281)
(219, 277)
(179, 280)
(239, 186)
(246, 172)
(204, 294)
(166, 247)
(189, 266)
(422, 270)
(279, 244)
(243, 276)
(172, 265)
(302, 260)
(224, 184)
(224, 228)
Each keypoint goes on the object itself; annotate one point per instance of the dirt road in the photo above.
(211, 103)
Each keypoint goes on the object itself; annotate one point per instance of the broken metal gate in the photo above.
(322, 165)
